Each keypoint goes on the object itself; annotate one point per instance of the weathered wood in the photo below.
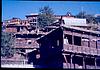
(71, 62)
(98, 52)
(65, 59)
(76, 34)
(81, 49)
(67, 32)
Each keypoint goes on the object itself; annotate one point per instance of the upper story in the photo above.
(80, 40)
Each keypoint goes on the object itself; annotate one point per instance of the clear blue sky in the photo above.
(21, 8)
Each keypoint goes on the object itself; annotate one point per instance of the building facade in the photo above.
(80, 48)
(62, 45)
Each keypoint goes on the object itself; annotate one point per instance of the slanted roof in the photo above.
(81, 29)
(74, 21)
(32, 14)
(53, 32)
(45, 34)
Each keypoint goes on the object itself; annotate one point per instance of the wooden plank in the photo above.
(84, 35)
(75, 49)
(68, 32)
(87, 50)
(85, 43)
(98, 52)
(65, 59)
(95, 51)
(79, 49)
(98, 44)
(93, 41)
(65, 47)
(70, 48)
(91, 51)
(77, 34)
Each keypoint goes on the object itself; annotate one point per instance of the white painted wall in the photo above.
(74, 21)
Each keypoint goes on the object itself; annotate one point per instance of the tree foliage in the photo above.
(46, 17)
(81, 14)
(7, 44)
(89, 18)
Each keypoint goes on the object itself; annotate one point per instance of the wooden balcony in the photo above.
(81, 49)
(67, 32)
(32, 32)
(84, 35)
(35, 45)
(13, 61)
(80, 34)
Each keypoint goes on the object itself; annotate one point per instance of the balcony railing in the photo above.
(13, 61)
(81, 49)
(24, 45)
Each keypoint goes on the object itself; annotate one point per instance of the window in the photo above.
(77, 40)
(69, 38)
(29, 42)
(34, 20)
(65, 40)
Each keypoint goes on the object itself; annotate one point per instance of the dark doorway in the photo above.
(77, 40)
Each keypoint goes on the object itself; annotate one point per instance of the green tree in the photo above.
(90, 19)
(46, 17)
(81, 14)
(7, 44)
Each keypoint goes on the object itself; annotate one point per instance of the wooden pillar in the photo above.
(74, 62)
(95, 62)
(96, 43)
(84, 66)
(89, 44)
(72, 38)
(81, 38)
(89, 41)
(81, 43)
(65, 59)
(71, 60)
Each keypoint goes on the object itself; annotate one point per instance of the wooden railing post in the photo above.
(65, 58)
(71, 60)
(72, 40)
(95, 63)
(84, 66)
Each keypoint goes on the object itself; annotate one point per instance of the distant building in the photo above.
(13, 21)
(97, 18)
(24, 22)
(32, 18)
(96, 15)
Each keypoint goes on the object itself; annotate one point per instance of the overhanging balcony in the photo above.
(81, 49)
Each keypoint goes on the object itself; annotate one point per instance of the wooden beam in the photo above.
(71, 60)
(84, 65)
(65, 59)
(95, 63)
